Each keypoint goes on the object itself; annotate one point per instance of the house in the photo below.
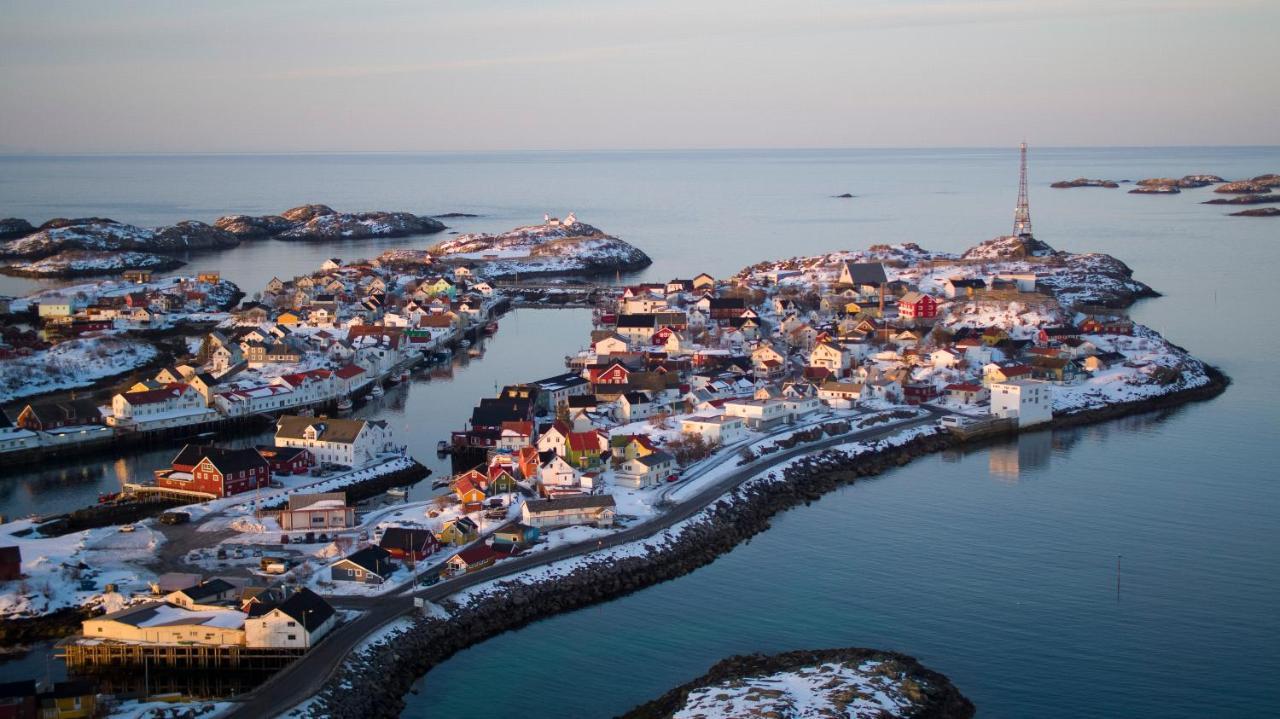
(614, 373)
(859, 274)
(1006, 372)
(647, 471)
(598, 510)
(953, 287)
(967, 393)
(521, 535)
(885, 390)
(704, 281)
(554, 471)
(1103, 326)
(320, 510)
(175, 405)
(287, 460)
(10, 563)
(554, 392)
(758, 414)
(55, 307)
(218, 471)
(409, 543)
(458, 532)
(634, 406)
(830, 356)
(73, 699)
(555, 438)
(716, 430)
(469, 489)
(917, 306)
(213, 594)
(330, 264)
(345, 442)
(840, 392)
(160, 623)
(583, 449)
(515, 435)
(299, 621)
(47, 416)
(914, 393)
(371, 565)
(1102, 361)
(472, 559)
(1028, 402)
(612, 343)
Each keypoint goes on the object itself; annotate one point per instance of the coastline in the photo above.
(734, 519)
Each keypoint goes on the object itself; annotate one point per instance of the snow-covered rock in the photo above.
(560, 248)
(321, 222)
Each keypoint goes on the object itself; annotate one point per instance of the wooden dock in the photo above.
(83, 654)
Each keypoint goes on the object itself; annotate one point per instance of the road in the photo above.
(299, 681)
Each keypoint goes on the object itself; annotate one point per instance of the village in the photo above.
(682, 384)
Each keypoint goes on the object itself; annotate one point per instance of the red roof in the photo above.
(964, 387)
(477, 554)
(1013, 370)
(349, 371)
(584, 441)
(524, 429)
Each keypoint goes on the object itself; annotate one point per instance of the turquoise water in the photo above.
(997, 568)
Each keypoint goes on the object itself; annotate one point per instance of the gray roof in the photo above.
(302, 501)
(582, 502)
(329, 429)
(866, 273)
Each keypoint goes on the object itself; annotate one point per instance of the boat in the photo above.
(442, 447)
(491, 328)
(404, 376)
(345, 404)
(400, 492)
(377, 391)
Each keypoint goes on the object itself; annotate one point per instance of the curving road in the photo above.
(299, 681)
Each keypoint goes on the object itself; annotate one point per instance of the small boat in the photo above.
(464, 344)
(442, 447)
(400, 492)
(377, 391)
(404, 376)
(345, 404)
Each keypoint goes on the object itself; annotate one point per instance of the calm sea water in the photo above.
(997, 568)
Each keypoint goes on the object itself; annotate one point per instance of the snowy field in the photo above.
(869, 690)
(70, 365)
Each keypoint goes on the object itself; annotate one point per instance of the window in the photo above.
(291, 624)
(293, 637)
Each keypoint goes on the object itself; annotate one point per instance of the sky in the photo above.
(86, 76)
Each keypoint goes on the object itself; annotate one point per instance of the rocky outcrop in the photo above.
(1083, 182)
(1154, 189)
(1243, 200)
(845, 196)
(920, 692)
(1243, 187)
(1268, 180)
(552, 248)
(14, 227)
(249, 227)
(321, 222)
(1009, 247)
(1259, 212)
(84, 263)
(192, 235)
(1189, 181)
(90, 234)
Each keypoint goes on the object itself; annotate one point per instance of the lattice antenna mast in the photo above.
(1022, 214)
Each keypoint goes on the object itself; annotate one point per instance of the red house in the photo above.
(919, 392)
(287, 460)
(614, 373)
(216, 470)
(409, 543)
(917, 306)
(10, 563)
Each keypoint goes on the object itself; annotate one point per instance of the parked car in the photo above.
(175, 518)
(126, 528)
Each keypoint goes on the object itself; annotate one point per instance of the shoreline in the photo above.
(722, 526)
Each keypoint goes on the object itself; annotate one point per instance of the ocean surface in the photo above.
(1124, 569)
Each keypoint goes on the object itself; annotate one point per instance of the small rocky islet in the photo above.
(1258, 212)
(1084, 182)
(849, 682)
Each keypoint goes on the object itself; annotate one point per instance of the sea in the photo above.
(1125, 569)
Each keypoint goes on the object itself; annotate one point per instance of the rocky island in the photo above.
(321, 222)
(1243, 200)
(555, 247)
(850, 682)
(1258, 212)
(1243, 187)
(88, 246)
(1083, 182)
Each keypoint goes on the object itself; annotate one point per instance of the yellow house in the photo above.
(288, 318)
(77, 699)
(458, 532)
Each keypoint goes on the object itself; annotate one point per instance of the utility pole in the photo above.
(1022, 213)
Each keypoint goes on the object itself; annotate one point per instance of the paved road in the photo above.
(299, 681)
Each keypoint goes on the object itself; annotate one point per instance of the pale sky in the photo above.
(275, 76)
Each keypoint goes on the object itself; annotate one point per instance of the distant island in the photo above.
(555, 247)
(321, 223)
(1244, 187)
(1243, 200)
(1259, 212)
(849, 682)
(1142, 189)
(844, 196)
(1083, 182)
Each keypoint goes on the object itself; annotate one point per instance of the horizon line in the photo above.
(286, 153)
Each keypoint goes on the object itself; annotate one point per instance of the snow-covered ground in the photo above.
(54, 567)
(71, 364)
(870, 690)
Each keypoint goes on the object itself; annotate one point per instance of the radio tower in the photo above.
(1022, 214)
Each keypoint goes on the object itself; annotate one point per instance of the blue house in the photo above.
(371, 565)
(517, 534)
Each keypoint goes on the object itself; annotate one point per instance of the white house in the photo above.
(175, 405)
(758, 413)
(298, 622)
(715, 430)
(829, 356)
(347, 442)
(556, 472)
(1029, 402)
(646, 471)
(587, 509)
(160, 623)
